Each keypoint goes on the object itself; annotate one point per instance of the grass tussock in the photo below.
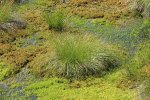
(81, 56)
(55, 20)
(75, 57)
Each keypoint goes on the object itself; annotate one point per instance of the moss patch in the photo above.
(21, 57)
(4, 70)
(91, 89)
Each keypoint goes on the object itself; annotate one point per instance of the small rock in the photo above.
(19, 24)
(12, 26)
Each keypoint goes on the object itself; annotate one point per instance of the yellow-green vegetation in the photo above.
(146, 29)
(4, 71)
(142, 55)
(81, 56)
(146, 89)
(5, 10)
(74, 51)
(76, 57)
(141, 58)
(91, 89)
(55, 20)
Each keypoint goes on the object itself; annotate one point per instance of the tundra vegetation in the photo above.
(74, 49)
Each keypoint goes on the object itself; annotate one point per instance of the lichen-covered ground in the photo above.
(25, 52)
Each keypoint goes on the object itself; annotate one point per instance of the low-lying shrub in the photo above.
(55, 20)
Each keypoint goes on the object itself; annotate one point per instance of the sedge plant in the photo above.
(55, 20)
(79, 56)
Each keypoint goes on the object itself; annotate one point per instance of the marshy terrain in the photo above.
(74, 50)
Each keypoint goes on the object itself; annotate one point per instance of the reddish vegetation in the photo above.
(20, 58)
(5, 48)
(108, 9)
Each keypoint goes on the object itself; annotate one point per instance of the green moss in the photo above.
(60, 89)
(4, 71)
(101, 21)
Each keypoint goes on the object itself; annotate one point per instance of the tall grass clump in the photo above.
(55, 20)
(5, 9)
(143, 6)
(79, 56)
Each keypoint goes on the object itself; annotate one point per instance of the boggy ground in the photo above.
(24, 52)
(107, 9)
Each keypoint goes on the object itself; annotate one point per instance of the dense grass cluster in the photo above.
(74, 53)
(76, 57)
(55, 20)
